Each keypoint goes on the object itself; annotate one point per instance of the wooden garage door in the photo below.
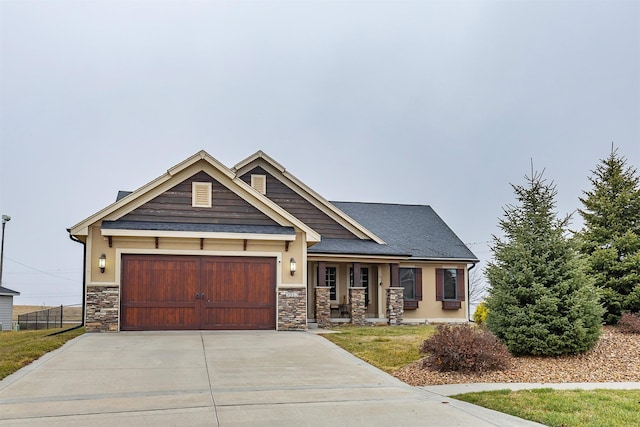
(197, 292)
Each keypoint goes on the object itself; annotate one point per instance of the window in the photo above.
(259, 182)
(450, 287)
(450, 284)
(364, 282)
(411, 281)
(408, 282)
(201, 194)
(331, 280)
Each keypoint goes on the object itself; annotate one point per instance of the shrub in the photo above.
(480, 315)
(629, 324)
(632, 301)
(464, 348)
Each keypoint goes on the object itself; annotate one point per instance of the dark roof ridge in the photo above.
(381, 203)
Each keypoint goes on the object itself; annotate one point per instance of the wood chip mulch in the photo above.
(615, 358)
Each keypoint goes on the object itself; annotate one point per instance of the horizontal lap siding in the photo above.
(296, 205)
(174, 205)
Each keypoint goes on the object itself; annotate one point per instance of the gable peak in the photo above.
(259, 155)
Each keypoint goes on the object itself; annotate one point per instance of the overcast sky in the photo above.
(419, 102)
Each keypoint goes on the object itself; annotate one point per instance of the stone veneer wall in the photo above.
(358, 308)
(292, 309)
(102, 309)
(323, 306)
(395, 306)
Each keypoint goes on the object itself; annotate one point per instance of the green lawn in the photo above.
(18, 349)
(386, 347)
(564, 407)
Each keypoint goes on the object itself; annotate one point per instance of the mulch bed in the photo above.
(615, 358)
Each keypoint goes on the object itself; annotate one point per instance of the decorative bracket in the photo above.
(244, 246)
(201, 243)
(110, 241)
(286, 246)
(157, 240)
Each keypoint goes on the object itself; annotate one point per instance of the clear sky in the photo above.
(419, 102)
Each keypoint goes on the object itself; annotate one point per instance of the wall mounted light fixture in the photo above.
(292, 266)
(102, 262)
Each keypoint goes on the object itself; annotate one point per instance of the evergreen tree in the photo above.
(611, 236)
(540, 301)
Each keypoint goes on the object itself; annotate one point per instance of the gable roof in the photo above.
(8, 292)
(410, 230)
(262, 159)
(128, 202)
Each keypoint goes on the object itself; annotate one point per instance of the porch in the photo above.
(336, 297)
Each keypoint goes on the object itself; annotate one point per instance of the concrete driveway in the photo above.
(222, 378)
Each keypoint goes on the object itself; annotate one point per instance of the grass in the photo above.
(564, 407)
(18, 349)
(386, 347)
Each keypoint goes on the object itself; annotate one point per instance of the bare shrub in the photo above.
(464, 348)
(629, 324)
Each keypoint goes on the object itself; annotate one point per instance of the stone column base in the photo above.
(292, 309)
(323, 306)
(358, 308)
(103, 312)
(395, 306)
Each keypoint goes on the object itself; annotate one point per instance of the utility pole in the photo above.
(5, 220)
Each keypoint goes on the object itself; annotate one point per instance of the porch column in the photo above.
(395, 305)
(323, 306)
(357, 304)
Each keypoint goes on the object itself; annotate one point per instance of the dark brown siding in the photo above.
(174, 205)
(293, 203)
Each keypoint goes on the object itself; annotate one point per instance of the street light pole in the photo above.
(5, 220)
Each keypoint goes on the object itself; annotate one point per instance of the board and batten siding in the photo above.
(175, 205)
(6, 311)
(296, 205)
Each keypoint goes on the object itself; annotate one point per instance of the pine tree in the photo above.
(611, 235)
(540, 301)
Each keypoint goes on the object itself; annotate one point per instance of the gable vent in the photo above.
(201, 194)
(259, 182)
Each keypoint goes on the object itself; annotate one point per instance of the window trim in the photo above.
(455, 285)
(334, 288)
(451, 304)
(412, 303)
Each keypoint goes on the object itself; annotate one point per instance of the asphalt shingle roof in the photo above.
(409, 230)
(7, 291)
(414, 230)
(211, 228)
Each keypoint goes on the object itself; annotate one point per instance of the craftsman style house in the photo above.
(252, 247)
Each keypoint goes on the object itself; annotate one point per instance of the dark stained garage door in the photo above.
(197, 292)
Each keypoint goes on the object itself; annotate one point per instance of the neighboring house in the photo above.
(6, 308)
(252, 247)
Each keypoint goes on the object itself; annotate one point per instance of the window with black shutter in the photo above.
(450, 287)
(411, 281)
